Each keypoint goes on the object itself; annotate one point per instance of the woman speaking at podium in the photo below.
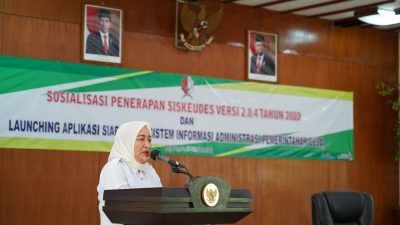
(127, 165)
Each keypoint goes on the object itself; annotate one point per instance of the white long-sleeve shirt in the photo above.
(116, 174)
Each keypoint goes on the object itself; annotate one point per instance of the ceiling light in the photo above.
(379, 17)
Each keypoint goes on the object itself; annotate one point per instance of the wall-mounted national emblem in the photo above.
(195, 24)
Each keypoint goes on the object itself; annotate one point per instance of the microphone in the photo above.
(156, 155)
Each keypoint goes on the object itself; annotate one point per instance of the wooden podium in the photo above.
(204, 200)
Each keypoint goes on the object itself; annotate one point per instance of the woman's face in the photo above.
(142, 146)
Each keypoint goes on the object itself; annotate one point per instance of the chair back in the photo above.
(342, 208)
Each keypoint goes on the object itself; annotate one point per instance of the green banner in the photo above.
(67, 106)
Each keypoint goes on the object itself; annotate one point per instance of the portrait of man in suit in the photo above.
(262, 57)
(102, 34)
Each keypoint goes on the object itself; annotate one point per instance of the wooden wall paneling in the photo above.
(4, 167)
(12, 192)
(150, 16)
(295, 31)
(391, 62)
(367, 170)
(65, 11)
(295, 70)
(339, 44)
(1, 31)
(287, 196)
(298, 35)
(1, 25)
(38, 38)
(390, 188)
(309, 37)
(49, 187)
(357, 45)
(146, 51)
(45, 187)
(235, 22)
(85, 167)
(222, 61)
(247, 173)
(329, 74)
(158, 18)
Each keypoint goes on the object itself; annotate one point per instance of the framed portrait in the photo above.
(102, 34)
(262, 59)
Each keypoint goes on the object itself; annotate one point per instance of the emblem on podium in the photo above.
(210, 194)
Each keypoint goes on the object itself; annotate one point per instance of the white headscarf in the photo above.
(124, 142)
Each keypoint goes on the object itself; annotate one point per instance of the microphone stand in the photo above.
(175, 169)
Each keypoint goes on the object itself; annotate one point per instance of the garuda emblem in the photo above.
(198, 26)
(210, 194)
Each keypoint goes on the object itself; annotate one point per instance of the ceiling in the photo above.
(340, 12)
